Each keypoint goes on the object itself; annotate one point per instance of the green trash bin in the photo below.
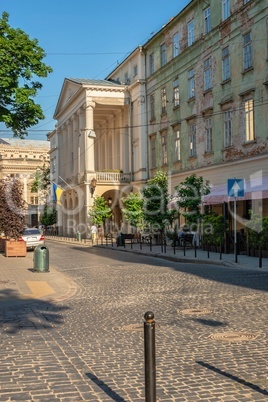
(41, 259)
(78, 236)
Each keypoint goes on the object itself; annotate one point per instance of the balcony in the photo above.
(113, 177)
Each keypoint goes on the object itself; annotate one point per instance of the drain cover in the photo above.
(195, 311)
(233, 336)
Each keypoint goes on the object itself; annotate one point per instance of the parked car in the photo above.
(33, 238)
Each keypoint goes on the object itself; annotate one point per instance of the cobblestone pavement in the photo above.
(211, 332)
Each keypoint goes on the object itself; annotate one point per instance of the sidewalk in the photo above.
(20, 284)
(201, 256)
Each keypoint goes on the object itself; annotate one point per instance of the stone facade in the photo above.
(20, 159)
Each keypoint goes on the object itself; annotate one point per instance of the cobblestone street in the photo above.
(211, 332)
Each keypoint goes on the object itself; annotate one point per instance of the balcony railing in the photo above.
(113, 177)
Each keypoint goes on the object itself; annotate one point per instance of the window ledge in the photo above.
(207, 91)
(248, 143)
(191, 99)
(247, 70)
(226, 81)
(208, 153)
(176, 107)
(192, 157)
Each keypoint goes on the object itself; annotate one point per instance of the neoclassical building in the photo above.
(192, 99)
(20, 159)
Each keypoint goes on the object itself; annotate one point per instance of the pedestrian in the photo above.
(94, 232)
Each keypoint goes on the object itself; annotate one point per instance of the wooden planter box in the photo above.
(15, 248)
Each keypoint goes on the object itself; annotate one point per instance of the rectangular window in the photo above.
(151, 63)
(176, 92)
(249, 120)
(126, 79)
(207, 74)
(135, 70)
(225, 9)
(164, 149)
(191, 84)
(31, 200)
(163, 101)
(226, 71)
(190, 33)
(177, 139)
(207, 23)
(152, 106)
(163, 49)
(153, 152)
(228, 128)
(247, 51)
(53, 165)
(208, 135)
(246, 1)
(176, 45)
(192, 140)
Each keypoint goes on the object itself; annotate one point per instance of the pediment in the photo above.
(68, 91)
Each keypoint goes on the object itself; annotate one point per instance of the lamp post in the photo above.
(93, 185)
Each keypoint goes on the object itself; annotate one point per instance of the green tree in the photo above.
(189, 194)
(99, 211)
(257, 230)
(155, 203)
(133, 209)
(20, 64)
(41, 179)
(12, 208)
(49, 216)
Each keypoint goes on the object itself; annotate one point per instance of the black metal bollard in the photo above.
(150, 243)
(184, 248)
(149, 357)
(165, 245)
(208, 249)
(260, 257)
(195, 249)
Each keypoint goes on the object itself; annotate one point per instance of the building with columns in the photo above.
(192, 99)
(20, 159)
(90, 150)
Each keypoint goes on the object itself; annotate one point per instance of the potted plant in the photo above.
(12, 213)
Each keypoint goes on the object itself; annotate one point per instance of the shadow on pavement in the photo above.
(112, 394)
(22, 314)
(234, 378)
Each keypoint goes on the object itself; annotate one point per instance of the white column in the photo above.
(75, 144)
(89, 137)
(69, 149)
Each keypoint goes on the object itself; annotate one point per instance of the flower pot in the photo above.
(15, 248)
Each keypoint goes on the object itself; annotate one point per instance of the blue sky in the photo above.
(84, 39)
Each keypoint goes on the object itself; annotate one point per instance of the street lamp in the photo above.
(93, 185)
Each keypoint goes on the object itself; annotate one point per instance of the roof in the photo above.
(87, 81)
(18, 143)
